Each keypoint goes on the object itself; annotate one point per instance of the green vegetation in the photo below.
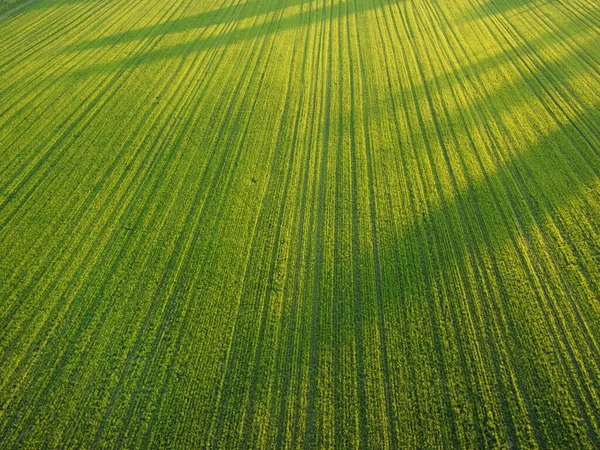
(300, 223)
(9, 7)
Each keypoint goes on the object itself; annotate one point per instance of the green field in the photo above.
(300, 224)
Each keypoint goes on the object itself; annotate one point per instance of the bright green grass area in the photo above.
(296, 223)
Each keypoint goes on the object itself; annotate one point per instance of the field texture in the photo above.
(300, 223)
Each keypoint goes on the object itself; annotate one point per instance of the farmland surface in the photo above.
(300, 223)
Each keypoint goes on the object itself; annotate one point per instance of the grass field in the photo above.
(300, 223)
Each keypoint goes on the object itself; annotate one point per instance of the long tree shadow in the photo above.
(9, 8)
(238, 11)
(311, 13)
(508, 6)
(509, 9)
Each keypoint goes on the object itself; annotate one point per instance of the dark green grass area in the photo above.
(8, 7)
(300, 224)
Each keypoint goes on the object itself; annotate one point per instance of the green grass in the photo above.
(294, 223)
